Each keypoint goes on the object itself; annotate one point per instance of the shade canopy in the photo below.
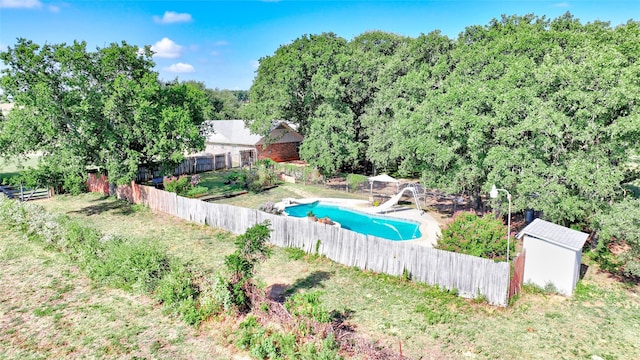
(383, 178)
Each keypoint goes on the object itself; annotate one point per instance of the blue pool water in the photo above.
(359, 222)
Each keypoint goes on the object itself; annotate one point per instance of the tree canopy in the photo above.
(104, 108)
(547, 109)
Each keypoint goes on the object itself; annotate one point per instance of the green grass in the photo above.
(214, 181)
(12, 167)
(602, 319)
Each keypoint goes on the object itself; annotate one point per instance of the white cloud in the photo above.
(172, 17)
(221, 43)
(561, 5)
(255, 64)
(215, 53)
(21, 4)
(166, 48)
(54, 9)
(180, 68)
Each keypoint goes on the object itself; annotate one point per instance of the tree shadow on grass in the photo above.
(119, 207)
(280, 292)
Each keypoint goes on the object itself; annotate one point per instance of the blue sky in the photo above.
(220, 42)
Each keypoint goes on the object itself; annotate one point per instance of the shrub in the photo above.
(176, 185)
(130, 265)
(354, 181)
(268, 163)
(259, 178)
(177, 292)
(235, 176)
(474, 235)
(252, 248)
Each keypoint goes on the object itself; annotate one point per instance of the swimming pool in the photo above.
(359, 222)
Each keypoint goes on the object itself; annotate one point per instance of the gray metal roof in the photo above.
(235, 132)
(555, 233)
(232, 132)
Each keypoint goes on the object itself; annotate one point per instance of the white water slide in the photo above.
(394, 201)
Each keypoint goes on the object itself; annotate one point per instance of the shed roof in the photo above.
(555, 233)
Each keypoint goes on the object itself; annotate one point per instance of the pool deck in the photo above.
(429, 227)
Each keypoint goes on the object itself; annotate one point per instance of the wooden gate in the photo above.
(23, 194)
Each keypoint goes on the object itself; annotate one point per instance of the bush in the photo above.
(177, 292)
(235, 176)
(176, 185)
(354, 181)
(129, 265)
(259, 178)
(252, 248)
(474, 235)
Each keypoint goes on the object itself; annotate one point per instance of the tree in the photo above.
(621, 226)
(547, 109)
(106, 108)
(292, 83)
(226, 104)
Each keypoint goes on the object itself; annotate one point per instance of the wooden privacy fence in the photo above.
(471, 276)
(190, 165)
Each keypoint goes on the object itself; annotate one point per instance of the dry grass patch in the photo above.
(50, 310)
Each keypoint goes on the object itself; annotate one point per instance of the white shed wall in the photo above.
(550, 263)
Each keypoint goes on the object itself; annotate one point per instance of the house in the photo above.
(232, 136)
(552, 255)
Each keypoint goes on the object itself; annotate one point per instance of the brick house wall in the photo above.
(279, 152)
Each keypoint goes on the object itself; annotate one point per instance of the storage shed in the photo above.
(553, 255)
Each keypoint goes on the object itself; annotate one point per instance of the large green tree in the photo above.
(103, 108)
(547, 109)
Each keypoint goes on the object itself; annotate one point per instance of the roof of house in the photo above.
(235, 132)
(555, 233)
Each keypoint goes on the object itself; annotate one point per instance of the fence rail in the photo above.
(25, 194)
(471, 276)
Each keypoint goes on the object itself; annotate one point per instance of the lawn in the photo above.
(217, 182)
(13, 166)
(603, 318)
(48, 309)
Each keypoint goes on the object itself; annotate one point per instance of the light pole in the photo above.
(494, 194)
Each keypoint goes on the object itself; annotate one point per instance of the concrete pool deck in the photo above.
(429, 227)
